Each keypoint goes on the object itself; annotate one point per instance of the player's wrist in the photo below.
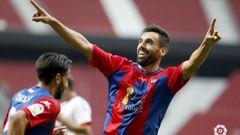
(52, 21)
(207, 43)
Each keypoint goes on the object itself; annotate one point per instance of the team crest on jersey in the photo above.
(36, 109)
(153, 80)
(31, 90)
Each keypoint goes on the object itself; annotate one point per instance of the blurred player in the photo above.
(75, 112)
(139, 93)
(33, 111)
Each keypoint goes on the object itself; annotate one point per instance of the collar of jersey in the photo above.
(147, 73)
(40, 88)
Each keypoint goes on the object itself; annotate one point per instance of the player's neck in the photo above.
(46, 87)
(70, 95)
(73, 94)
(149, 68)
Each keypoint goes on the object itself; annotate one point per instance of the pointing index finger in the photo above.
(36, 5)
(213, 24)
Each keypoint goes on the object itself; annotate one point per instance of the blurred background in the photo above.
(210, 98)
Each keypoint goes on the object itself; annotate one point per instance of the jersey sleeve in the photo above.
(175, 78)
(83, 113)
(42, 111)
(6, 118)
(105, 62)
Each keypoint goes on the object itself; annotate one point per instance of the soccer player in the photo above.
(77, 118)
(139, 93)
(33, 111)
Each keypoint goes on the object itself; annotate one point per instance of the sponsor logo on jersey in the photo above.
(130, 95)
(130, 107)
(130, 91)
(36, 109)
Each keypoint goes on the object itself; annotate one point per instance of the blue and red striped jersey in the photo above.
(40, 107)
(137, 100)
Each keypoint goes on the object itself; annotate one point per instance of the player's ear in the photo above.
(58, 78)
(163, 51)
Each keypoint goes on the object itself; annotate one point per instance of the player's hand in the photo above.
(212, 35)
(41, 15)
(60, 130)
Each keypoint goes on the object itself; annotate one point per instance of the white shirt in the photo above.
(76, 110)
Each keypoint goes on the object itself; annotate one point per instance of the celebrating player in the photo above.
(139, 93)
(33, 111)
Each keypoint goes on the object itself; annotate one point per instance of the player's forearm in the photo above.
(1, 130)
(198, 57)
(75, 127)
(85, 129)
(17, 123)
(196, 60)
(73, 38)
(88, 129)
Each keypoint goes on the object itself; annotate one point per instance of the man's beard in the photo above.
(59, 91)
(147, 60)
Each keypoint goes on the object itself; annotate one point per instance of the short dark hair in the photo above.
(163, 35)
(51, 63)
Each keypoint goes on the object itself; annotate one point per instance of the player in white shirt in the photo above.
(75, 113)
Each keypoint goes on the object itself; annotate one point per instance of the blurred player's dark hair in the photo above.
(49, 64)
(163, 35)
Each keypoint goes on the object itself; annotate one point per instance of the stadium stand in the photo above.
(86, 16)
(185, 20)
(174, 16)
(236, 10)
(9, 15)
(224, 111)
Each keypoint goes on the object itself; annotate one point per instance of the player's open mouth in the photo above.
(142, 53)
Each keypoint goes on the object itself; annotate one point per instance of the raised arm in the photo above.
(73, 38)
(200, 54)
